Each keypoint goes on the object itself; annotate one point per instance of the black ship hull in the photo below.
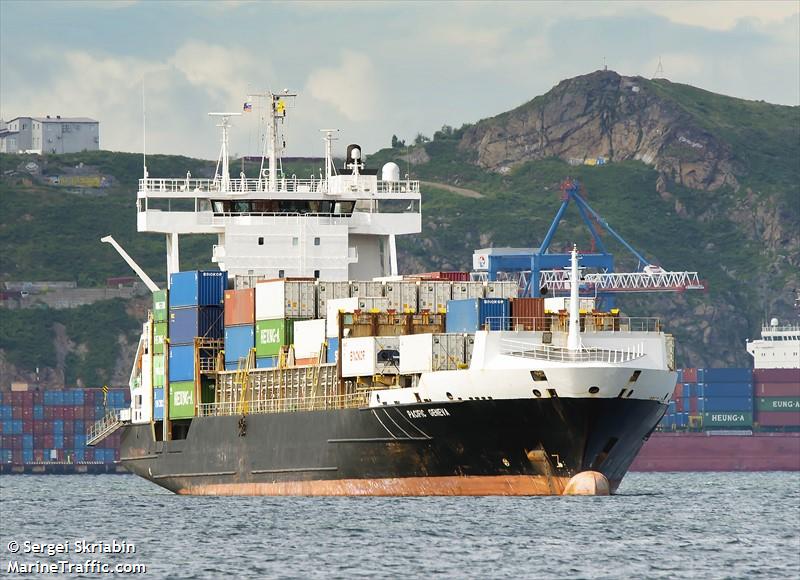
(487, 447)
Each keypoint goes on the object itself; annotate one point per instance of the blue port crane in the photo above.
(544, 272)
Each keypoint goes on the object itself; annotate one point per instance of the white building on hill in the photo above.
(50, 135)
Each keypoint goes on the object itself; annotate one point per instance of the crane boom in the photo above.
(139, 272)
(654, 281)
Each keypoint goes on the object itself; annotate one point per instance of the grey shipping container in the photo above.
(502, 289)
(433, 296)
(401, 296)
(328, 291)
(463, 290)
(362, 288)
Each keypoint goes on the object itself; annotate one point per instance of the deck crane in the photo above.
(542, 273)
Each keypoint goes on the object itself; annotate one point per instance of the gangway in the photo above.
(104, 427)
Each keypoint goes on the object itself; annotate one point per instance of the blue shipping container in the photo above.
(711, 405)
(27, 456)
(181, 363)
(266, 362)
(6, 412)
(716, 390)
(727, 375)
(38, 412)
(333, 349)
(232, 366)
(197, 288)
(158, 404)
(27, 441)
(239, 340)
(187, 323)
(58, 440)
(473, 314)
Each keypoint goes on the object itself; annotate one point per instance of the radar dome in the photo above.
(390, 172)
(774, 322)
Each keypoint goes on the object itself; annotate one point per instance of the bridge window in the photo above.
(260, 241)
(316, 241)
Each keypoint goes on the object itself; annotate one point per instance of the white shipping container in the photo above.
(433, 296)
(420, 353)
(334, 306)
(373, 303)
(309, 336)
(369, 355)
(401, 296)
(328, 291)
(285, 299)
(465, 290)
(559, 303)
(361, 288)
(242, 282)
(469, 346)
(502, 290)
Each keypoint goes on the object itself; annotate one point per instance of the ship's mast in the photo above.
(330, 170)
(573, 338)
(225, 177)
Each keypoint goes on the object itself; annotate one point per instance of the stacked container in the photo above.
(727, 399)
(527, 313)
(434, 296)
(50, 426)
(420, 353)
(196, 301)
(160, 351)
(278, 304)
(468, 316)
(330, 291)
(777, 393)
(401, 296)
(309, 341)
(240, 318)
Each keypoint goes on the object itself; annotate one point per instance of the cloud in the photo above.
(351, 87)
(722, 15)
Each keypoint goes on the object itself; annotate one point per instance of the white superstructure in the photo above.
(330, 227)
(778, 347)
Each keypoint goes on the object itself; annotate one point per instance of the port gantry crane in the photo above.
(542, 273)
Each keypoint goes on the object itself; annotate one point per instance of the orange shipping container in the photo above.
(527, 313)
(240, 307)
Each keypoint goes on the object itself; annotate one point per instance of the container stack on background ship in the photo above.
(777, 398)
(735, 399)
(46, 430)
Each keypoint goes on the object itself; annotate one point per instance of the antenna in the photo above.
(659, 74)
(329, 138)
(144, 136)
(223, 153)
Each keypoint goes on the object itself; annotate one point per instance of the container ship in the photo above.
(736, 419)
(306, 365)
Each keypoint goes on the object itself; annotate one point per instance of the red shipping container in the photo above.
(16, 398)
(69, 441)
(48, 412)
(777, 390)
(16, 442)
(68, 427)
(679, 405)
(693, 406)
(678, 393)
(27, 398)
(78, 413)
(16, 456)
(69, 413)
(779, 419)
(38, 455)
(527, 313)
(776, 375)
(58, 412)
(49, 441)
(690, 375)
(447, 276)
(240, 307)
(27, 426)
(27, 413)
(88, 455)
(38, 398)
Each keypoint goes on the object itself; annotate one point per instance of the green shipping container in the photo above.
(779, 404)
(181, 400)
(271, 335)
(159, 366)
(159, 334)
(727, 419)
(160, 306)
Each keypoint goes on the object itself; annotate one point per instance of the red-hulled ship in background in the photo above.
(734, 419)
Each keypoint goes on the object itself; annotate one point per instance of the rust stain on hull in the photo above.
(517, 485)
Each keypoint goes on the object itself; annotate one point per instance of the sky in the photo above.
(370, 69)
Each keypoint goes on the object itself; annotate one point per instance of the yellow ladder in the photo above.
(242, 379)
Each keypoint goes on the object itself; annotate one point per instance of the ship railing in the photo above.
(590, 322)
(286, 405)
(549, 352)
(153, 186)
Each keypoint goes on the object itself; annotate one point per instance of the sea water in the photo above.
(660, 525)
